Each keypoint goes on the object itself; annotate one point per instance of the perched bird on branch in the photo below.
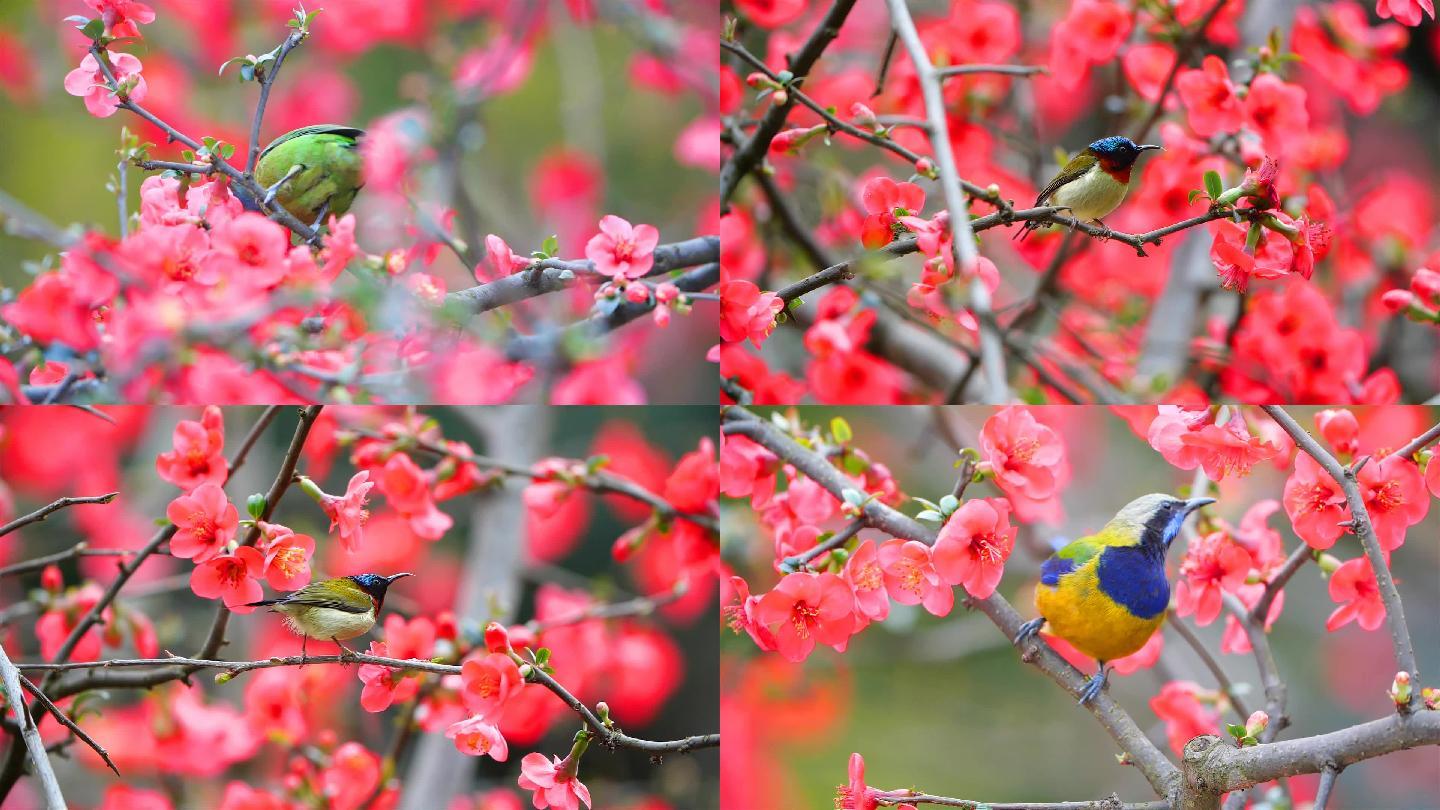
(312, 171)
(1093, 183)
(1107, 593)
(333, 609)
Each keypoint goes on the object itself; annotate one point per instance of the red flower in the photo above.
(884, 201)
(747, 470)
(1432, 475)
(1184, 715)
(747, 313)
(1213, 564)
(407, 488)
(476, 737)
(694, 485)
(867, 581)
(1146, 66)
(1276, 111)
(287, 556)
(1341, 429)
(120, 16)
(555, 782)
(805, 608)
(347, 512)
(1209, 98)
(384, 685)
(199, 456)
(1394, 496)
(1315, 503)
(352, 775)
(489, 681)
(1091, 34)
(743, 615)
(1353, 585)
(910, 576)
(52, 310)
(1190, 439)
(205, 521)
(1273, 256)
(856, 795)
(621, 250)
(771, 13)
(974, 544)
(1407, 12)
(232, 577)
(251, 250)
(1023, 454)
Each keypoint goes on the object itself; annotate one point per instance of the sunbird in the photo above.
(312, 171)
(333, 609)
(1107, 593)
(1094, 182)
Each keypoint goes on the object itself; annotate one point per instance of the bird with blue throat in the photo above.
(1107, 593)
(1092, 183)
(333, 609)
(313, 171)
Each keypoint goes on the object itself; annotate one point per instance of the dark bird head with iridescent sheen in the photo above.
(1118, 152)
(376, 585)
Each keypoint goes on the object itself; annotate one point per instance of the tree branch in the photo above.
(68, 723)
(30, 734)
(267, 79)
(55, 506)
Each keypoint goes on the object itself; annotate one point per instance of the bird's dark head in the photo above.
(376, 585)
(1118, 151)
(1157, 518)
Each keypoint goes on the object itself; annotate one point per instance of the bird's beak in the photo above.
(394, 577)
(1195, 503)
(1142, 147)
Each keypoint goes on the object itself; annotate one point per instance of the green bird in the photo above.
(333, 609)
(312, 171)
(1107, 594)
(1094, 182)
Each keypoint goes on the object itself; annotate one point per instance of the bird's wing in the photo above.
(316, 129)
(1072, 556)
(1073, 170)
(316, 594)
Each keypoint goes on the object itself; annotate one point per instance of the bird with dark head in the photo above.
(312, 171)
(1093, 183)
(1107, 593)
(333, 609)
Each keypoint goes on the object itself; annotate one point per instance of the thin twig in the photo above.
(77, 550)
(1418, 443)
(802, 561)
(267, 79)
(68, 723)
(30, 733)
(55, 506)
(1226, 686)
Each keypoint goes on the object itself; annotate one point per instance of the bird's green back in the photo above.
(330, 169)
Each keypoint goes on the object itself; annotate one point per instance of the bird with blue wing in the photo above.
(1107, 593)
(333, 609)
(1093, 183)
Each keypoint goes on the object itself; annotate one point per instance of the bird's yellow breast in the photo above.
(326, 623)
(1079, 612)
(1092, 196)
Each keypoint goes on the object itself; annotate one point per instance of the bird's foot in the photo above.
(1028, 630)
(320, 220)
(1094, 687)
(1105, 233)
(346, 654)
(269, 200)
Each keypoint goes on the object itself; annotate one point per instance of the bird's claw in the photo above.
(1028, 630)
(1094, 686)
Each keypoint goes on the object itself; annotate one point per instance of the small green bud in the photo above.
(255, 505)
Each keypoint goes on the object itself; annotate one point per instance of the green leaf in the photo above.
(1235, 730)
(855, 465)
(227, 150)
(840, 430)
(1194, 192)
(1213, 186)
(930, 515)
(551, 245)
(927, 504)
(94, 29)
(949, 504)
(243, 60)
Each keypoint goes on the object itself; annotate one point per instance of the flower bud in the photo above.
(51, 579)
(637, 293)
(863, 116)
(1400, 689)
(925, 167)
(1426, 283)
(1257, 722)
(1397, 300)
(758, 80)
(497, 638)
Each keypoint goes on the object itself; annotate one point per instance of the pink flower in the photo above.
(1210, 99)
(89, 82)
(1341, 429)
(347, 512)
(1394, 496)
(1276, 110)
(1023, 454)
(384, 685)
(205, 521)
(856, 795)
(1432, 475)
(198, 456)
(556, 782)
(1353, 585)
(407, 488)
(743, 615)
(340, 247)
(621, 250)
(746, 312)
(884, 201)
(488, 682)
(910, 576)
(287, 556)
(867, 580)
(352, 775)
(52, 310)
(120, 16)
(1091, 34)
(1405, 12)
(476, 737)
(251, 250)
(1315, 503)
(1184, 715)
(1213, 564)
(974, 544)
(806, 608)
(500, 260)
(1190, 439)
(231, 577)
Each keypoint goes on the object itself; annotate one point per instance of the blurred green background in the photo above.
(945, 705)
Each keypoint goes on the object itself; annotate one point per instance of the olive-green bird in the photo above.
(313, 171)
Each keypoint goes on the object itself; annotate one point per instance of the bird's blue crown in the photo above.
(1114, 145)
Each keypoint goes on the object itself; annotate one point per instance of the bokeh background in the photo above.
(946, 706)
(38, 454)
(541, 122)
